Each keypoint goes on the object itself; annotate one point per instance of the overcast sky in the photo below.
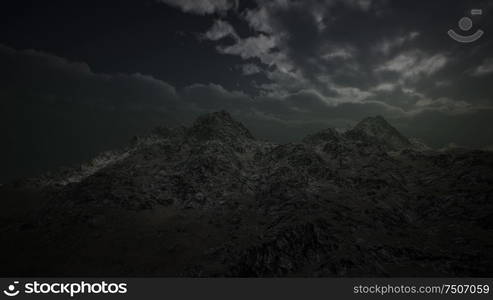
(78, 77)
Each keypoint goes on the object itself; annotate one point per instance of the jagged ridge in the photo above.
(210, 200)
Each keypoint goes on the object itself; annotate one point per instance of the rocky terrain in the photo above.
(211, 200)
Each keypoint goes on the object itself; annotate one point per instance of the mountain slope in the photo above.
(211, 200)
(377, 130)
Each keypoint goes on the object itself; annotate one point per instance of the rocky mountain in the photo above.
(211, 200)
(377, 131)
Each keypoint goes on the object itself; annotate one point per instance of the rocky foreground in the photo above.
(211, 200)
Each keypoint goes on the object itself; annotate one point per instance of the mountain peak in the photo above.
(373, 121)
(377, 129)
(324, 136)
(218, 125)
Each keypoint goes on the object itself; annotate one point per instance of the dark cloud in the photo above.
(57, 112)
(203, 7)
(285, 68)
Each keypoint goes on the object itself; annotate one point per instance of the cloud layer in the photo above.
(319, 45)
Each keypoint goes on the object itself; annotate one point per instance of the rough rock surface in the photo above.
(211, 200)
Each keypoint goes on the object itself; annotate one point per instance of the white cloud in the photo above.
(259, 20)
(220, 30)
(388, 45)
(444, 105)
(385, 87)
(250, 69)
(253, 47)
(410, 65)
(202, 7)
(485, 68)
(364, 5)
(338, 53)
(350, 95)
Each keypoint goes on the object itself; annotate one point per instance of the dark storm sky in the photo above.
(78, 77)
